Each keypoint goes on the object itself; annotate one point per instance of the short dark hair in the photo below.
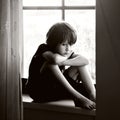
(59, 33)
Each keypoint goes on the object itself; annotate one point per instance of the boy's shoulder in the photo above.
(42, 48)
(43, 45)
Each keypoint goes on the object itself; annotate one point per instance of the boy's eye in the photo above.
(63, 44)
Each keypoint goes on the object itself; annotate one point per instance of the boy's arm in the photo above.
(54, 58)
(74, 60)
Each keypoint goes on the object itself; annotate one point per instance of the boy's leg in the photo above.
(87, 82)
(82, 74)
(70, 91)
(72, 75)
(54, 89)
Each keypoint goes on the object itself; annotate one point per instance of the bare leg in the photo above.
(81, 73)
(84, 101)
(87, 82)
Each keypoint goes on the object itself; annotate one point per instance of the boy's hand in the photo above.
(69, 54)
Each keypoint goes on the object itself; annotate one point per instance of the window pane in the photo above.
(79, 2)
(84, 23)
(36, 24)
(42, 2)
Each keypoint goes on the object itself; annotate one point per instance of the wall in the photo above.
(108, 59)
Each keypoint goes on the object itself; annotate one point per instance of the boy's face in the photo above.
(63, 48)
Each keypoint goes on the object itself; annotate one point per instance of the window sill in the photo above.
(37, 111)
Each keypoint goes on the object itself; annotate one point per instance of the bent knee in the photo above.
(48, 66)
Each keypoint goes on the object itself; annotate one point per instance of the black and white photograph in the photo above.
(59, 59)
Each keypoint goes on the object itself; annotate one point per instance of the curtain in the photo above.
(10, 60)
(108, 59)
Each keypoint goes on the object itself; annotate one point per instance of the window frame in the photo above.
(63, 7)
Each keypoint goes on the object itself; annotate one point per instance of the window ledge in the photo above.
(61, 106)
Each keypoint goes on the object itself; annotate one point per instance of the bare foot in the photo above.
(87, 104)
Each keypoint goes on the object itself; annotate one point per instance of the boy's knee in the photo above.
(50, 65)
(46, 67)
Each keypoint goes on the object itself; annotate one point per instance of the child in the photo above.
(49, 80)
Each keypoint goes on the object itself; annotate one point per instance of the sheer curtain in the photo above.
(10, 59)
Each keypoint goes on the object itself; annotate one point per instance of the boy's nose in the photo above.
(67, 48)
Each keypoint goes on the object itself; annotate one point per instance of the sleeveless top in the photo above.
(35, 80)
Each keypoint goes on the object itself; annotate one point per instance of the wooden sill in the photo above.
(36, 111)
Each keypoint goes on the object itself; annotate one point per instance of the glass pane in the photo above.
(84, 23)
(79, 2)
(36, 24)
(42, 2)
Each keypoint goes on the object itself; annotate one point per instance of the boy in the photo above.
(49, 80)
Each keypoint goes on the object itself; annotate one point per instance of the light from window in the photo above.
(80, 2)
(36, 25)
(42, 2)
(84, 23)
(37, 22)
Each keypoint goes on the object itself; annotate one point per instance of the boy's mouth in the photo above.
(66, 53)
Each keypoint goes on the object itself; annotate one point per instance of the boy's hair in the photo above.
(59, 33)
